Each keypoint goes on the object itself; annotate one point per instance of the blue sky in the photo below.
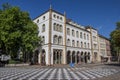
(100, 14)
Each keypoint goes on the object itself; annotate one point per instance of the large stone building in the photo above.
(64, 41)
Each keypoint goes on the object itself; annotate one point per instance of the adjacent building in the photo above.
(64, 41)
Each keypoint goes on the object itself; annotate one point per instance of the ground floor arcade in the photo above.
(71, 56)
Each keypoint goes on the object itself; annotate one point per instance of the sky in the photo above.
(100, 14)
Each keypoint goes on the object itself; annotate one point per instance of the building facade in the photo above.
(64, 41)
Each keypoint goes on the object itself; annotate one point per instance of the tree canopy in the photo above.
(115, 41)
(17, 31)
(115, 36)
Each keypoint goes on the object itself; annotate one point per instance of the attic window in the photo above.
(38, 21)
(54, 16)
(60, 18)
(43, 17)
(57, 17)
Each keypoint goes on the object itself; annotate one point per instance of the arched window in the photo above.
(60, 40)
(60, 30)
(43, 17)
(38, 21)
(55, 39)
(78, 44)
(84, 36)
(43, 28)
(73, 33)
(68, 31)
(84, 44)
(73, 43)
(54, 26)
(57, 17)
(57, 27)
(68, 42)
(77, 34)
(61, 18)
(80, 34)
(81, 44)
(88, 45)
(54, 16)
(87, 37)
(43, 40)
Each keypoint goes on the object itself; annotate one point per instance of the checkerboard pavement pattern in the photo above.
(54, 73)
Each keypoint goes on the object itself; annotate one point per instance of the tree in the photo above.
(17, 31)
(115, 40)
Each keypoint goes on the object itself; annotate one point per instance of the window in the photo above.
(95, 46)
(57, 27)
(73, 43)
(77, 34)
(54, 16)
(78, 44)
(68, 31)
(84, 44)
(60, 30)
(94, 38)
(84, 36)
(68, 42)
(80, 34)
(87, 37)
(43, 28)
(55, 39)
(43, 17)
(81, 44)
(61, 18)
(43, 40)
(57, 17)
(38, 21)
(73, 33)
(88, 45)
(54, 26)
(60, 40)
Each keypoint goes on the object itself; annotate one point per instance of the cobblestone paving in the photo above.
(59, 73)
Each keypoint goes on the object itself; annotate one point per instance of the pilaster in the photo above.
(49, 38)
(64, 51)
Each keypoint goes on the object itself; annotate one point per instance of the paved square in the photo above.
(56, 73)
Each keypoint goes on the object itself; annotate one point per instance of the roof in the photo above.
(103, 37)
(48, 11)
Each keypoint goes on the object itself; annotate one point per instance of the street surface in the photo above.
(99, 72)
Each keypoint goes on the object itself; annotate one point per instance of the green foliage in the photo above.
(118, 26)
(17, 31)
(115, 39)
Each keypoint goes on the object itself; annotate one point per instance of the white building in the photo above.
(64, 41)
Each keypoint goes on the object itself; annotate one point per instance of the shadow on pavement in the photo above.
(113, 64)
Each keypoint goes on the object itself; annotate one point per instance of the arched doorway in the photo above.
(43, 57)
(82, 57)
(88, 57)
(68, 57)
(95, 56)
(35, 57)
(78, 57)
(73, 57)
(85, 57)
(57, 56)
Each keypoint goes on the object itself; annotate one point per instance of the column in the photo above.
(71, 57)
(59, 57)
(76, 58)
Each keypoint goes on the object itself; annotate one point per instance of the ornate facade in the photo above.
(64, 41)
